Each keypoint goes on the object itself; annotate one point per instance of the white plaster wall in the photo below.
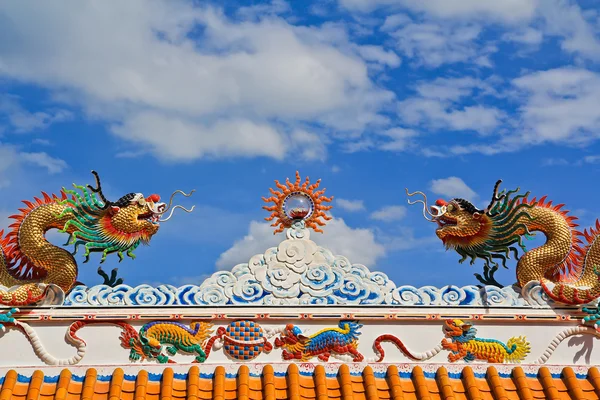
(103, 343)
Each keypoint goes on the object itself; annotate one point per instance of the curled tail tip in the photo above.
(569, 294)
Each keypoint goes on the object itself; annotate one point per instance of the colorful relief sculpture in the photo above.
(593, 317)
(298, 202)
(405, 350)
(241, 340)
(7, 318)
(156, 337)
(563, 265)
(323, 344)
(35, 266)
(465, 345)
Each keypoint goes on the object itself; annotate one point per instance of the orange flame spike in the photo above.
(297, 184)
(306, 182)
(280, 186)
(542, 200)
(282, 220)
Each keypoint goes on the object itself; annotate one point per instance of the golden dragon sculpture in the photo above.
(31, 266)
(565, 265)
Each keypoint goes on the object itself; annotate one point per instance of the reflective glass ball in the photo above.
(298, 206)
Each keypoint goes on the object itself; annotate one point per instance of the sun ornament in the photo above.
(297, 202)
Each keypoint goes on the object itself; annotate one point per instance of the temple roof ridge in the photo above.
(300, 272)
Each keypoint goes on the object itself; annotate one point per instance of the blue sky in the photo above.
(372, 96)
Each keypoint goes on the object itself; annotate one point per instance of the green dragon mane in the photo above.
(86, 212)
(506, 213)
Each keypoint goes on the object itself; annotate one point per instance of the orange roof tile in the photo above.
(294, 385)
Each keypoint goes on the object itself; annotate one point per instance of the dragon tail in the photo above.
(209, 344)
(518, 349)
(71, 338)
(413, 356)
(587, 287)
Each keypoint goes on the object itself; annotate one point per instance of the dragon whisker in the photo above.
(174, 208)
(422, 201)
(171, 199)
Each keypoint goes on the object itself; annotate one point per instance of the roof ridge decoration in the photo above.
(297, 271)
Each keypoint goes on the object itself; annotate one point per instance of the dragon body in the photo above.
(564, 265)
(30, 265)
(156, 337)
(464, 344)
(340, 340)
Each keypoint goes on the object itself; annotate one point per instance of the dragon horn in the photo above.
(98, 189)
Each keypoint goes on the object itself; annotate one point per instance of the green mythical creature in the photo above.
(152, 338)
(34, 265)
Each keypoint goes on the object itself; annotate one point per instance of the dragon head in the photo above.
(290, 336)
(134, 215)
(108, 226)
(460, 223)
(456, 328)
(487, 234)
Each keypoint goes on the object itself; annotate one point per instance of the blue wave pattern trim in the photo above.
(355, 291)
(299, 272)
(153, 377)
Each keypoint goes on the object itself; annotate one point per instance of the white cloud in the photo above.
(498, 10)
(389, 213)
(406, 240)
(41, 159)
(266, 73)
(358, 244)
(551, 162)
(595, 159)
(350, 205)
(399, 139)
(23, 121)
(560, 105)
(452, 187)
(179, 139)
(566, 20)
(528, 36)
(257, 11)
(380, 55)
(432, 44)
(309, 146)
(8, 159)
(438, 106)
(365, 5)
(11, 159)
(508, 11)
(527, 21)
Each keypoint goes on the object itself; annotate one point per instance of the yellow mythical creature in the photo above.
(34, 265)
(464, 344)
(564, 264)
